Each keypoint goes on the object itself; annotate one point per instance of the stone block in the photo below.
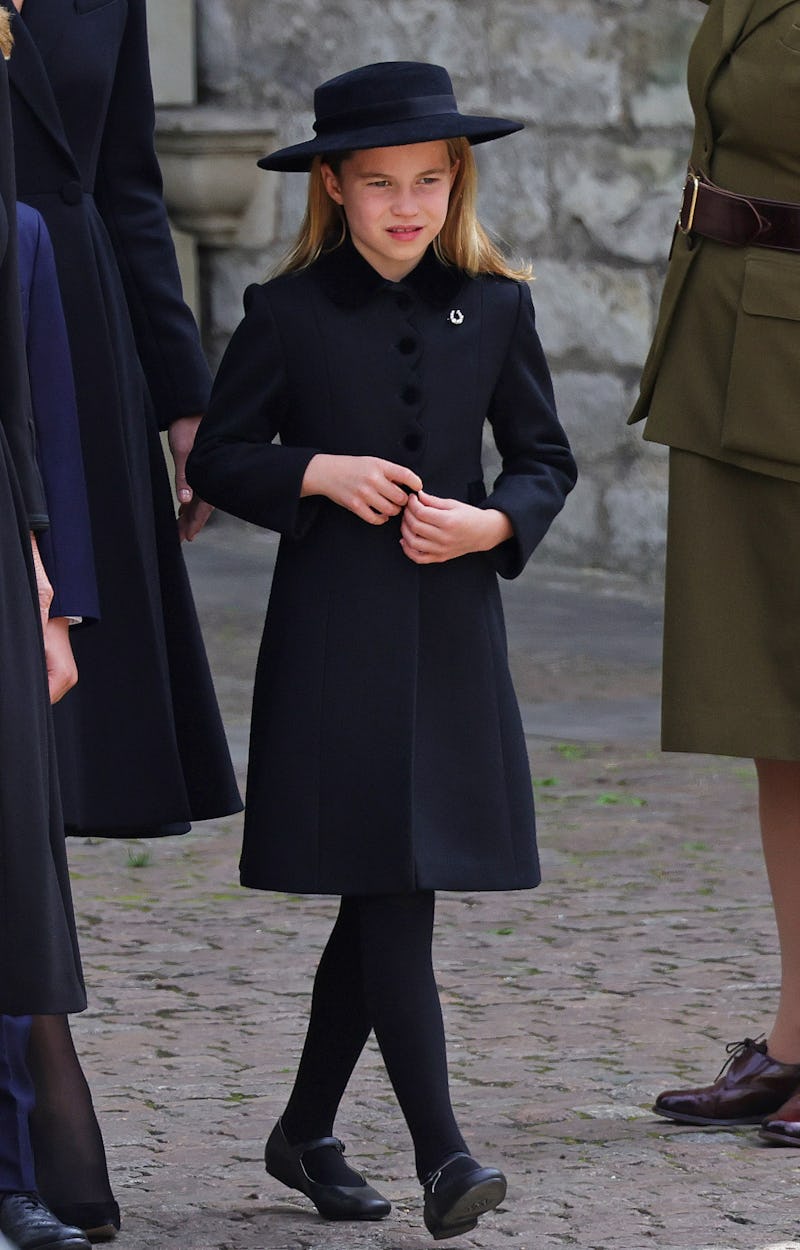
(658, 37)
(220, 70)
(172, 50)
(636, 511)
(186, 253)
(592, 315)
(280, 51)
(514, 189)
(577, 536)
(227, 274)
(593, 408)
(625, 198)
(558, 64)
(661, 105)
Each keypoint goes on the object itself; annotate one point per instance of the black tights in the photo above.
(71, 1170)
(376, 973)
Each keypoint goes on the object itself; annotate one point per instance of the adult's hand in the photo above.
(44, 590)
(371, 488)
(434, 530)
(62, 671)
(193, 512)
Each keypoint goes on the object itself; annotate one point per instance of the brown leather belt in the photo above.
(738, 220)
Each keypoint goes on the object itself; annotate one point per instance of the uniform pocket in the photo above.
(762, 407)
(791, 38)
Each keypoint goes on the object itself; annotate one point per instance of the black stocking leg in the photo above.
(71, 1170)
(337, 1033)
(403, 1003)
(376, 971)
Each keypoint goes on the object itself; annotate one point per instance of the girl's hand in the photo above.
(62, 671)
(366, 485)
(434, 530)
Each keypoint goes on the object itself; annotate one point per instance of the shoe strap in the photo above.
(434, 1177)
(317, 1143)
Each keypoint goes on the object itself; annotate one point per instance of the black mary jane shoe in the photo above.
(458, 1193)
(334, 1202)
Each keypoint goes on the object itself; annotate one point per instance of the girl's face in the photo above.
(395, 201)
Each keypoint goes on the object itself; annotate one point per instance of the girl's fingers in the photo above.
(404, 476)
(423, 538)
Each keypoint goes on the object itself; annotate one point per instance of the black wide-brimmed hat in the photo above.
(383, 106)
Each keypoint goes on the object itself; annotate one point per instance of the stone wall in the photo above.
(588, 191)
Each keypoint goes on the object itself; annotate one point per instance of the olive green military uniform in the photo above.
(721, 387)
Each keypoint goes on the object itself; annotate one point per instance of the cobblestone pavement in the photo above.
(649, 946)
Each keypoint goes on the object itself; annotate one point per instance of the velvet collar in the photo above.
(350, 281)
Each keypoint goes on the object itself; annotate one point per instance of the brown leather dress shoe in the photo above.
(749, 1087)
(784, 1126)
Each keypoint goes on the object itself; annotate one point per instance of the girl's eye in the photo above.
(379, 182)
(429, 182)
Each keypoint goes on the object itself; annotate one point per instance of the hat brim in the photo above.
(299, 156)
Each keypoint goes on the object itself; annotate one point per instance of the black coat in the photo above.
(39, 963)
(387, 752)
(140, 742)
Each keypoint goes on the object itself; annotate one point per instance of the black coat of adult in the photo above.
(39, 962)
(387, 752)
(140, 742)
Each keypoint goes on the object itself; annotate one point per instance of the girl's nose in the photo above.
(405, 204)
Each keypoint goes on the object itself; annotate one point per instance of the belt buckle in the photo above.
(693, 182)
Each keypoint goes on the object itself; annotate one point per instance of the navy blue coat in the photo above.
(66, 546)
(141, 747)
(386, 751)
(39, 963)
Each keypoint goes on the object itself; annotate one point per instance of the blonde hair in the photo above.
(462, 240)
(6, 38)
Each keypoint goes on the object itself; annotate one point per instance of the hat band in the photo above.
(385, 113)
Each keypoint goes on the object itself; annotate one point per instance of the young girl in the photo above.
(387, 758)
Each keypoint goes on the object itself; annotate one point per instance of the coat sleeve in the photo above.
(15, 406)
(66, 549)
(538, 468)
(129, 196)
(235, 464)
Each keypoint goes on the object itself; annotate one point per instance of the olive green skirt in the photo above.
(732, 613)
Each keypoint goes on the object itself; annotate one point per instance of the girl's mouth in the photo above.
(404, 232)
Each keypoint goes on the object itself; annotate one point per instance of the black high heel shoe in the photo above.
(458, 1193)
(334, 1202)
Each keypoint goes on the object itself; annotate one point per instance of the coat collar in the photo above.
(730, 22)
(350, 281)
(27, 73)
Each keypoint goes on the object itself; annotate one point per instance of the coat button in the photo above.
(72, 192)
(406, 345)
(410, 395)
(411, 441)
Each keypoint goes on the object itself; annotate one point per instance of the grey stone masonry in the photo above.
(588, 191)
